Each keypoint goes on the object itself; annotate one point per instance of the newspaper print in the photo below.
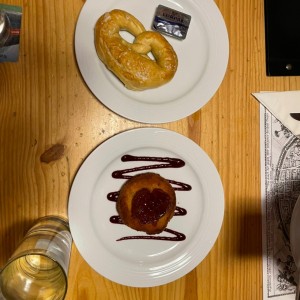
(280, 166)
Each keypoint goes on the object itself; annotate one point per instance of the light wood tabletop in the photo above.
(44, 102)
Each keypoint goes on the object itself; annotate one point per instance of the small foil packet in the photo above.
(171, 22)
(10, 27)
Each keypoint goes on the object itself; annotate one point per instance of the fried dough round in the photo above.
(146, 202)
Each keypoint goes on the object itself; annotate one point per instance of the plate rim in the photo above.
(188, 264)
(163, 113)
(295, 223)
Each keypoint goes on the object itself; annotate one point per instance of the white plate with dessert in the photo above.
(135, 258)
(202, 61)
(295, 233)
(295, 241)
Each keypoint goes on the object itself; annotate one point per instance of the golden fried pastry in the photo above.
(146, 203)
(129, 61)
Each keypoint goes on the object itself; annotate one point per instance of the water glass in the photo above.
(38, 269)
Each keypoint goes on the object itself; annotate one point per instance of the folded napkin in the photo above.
(281, 105)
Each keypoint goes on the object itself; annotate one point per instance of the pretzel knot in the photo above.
(130, 61)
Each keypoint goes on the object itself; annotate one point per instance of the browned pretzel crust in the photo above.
(129, 61)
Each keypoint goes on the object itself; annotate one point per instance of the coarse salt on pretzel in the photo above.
(129, 61)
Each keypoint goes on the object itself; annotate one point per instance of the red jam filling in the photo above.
(148, 207)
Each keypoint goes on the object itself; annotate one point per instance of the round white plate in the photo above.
(202, 57)
(139, 262)
(295, 233)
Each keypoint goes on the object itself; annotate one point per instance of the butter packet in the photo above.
(10, 26)
(171, 22)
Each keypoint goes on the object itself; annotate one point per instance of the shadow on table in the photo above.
(250, 234)
(10, 239)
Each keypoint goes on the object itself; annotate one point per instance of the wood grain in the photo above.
(45, 103)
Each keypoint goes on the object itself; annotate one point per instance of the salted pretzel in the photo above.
(129, 61)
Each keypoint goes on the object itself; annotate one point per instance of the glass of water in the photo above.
(38, 269)
(4, 28)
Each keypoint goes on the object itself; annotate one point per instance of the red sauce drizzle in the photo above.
(177, 236)
(164, 162)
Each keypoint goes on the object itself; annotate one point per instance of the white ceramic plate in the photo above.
(295, 233)
(202, 57)
(139, 262)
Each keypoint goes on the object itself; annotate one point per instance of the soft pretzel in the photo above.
(129, 61)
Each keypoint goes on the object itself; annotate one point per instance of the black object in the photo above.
(295, 116)
(282, 34)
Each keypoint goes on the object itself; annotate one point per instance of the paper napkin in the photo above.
(281, 105)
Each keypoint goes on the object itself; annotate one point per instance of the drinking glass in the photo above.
(4, 27)
(38, 269)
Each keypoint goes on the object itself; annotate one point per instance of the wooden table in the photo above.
(45, 102)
